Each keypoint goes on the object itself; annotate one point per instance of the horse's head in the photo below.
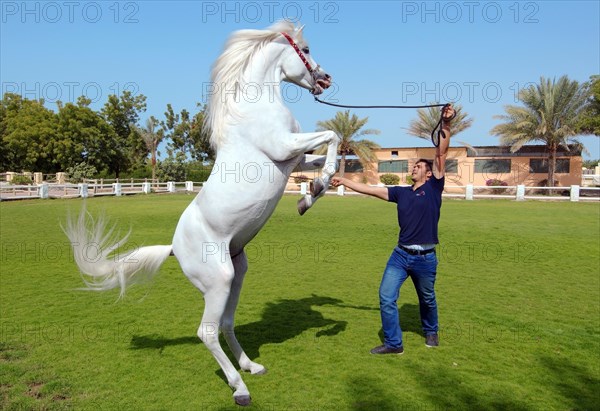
(299, 67)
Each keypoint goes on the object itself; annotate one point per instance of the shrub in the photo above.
(409, 180)
(199, 174)
(172, 169)
(21, 180)
(300, 179)
(389, 179)
(81, 171)
(496, 182)
(544, 183)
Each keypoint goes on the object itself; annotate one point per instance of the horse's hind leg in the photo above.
(240, 264)
(215, 299)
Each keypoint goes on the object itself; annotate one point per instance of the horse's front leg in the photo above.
(329, 166)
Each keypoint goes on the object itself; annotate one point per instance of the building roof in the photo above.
(525, 151)
(538, 150)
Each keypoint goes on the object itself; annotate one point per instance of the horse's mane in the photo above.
(227, 72)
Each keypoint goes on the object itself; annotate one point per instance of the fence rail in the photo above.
(84, 190)
(519, 193)
(468, 192)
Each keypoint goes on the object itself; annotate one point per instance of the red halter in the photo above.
(301, 55)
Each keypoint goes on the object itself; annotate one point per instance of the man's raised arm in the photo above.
(439, 164)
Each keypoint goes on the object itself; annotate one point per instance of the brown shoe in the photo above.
(432, 340)
(382, 349)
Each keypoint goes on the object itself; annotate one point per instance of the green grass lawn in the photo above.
(518, 293)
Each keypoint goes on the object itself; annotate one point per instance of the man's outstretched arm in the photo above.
(379, 192)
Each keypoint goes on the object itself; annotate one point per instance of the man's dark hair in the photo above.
(429, 163)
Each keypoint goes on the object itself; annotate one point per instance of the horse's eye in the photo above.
(305, 50)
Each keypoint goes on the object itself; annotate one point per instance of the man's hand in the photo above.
(439, 164)
(338, 181)
(448, 113)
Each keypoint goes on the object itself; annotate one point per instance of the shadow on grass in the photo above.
(286, 319)
(281, 321)
(410, 320)
(369, 396)
(159, 343)
(574, 383)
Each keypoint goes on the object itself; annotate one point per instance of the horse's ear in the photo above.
(298, 31)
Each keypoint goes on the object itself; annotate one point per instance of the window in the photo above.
(540, 165)
(393, 166)
(452, 166)
(394, 153)
(353, 166)
(492, 166)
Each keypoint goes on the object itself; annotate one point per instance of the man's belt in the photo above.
(416, 252)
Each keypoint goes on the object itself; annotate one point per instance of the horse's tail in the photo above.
(92, 247)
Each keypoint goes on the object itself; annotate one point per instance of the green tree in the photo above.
(173, 168)
(177, 128)
(550, 114)
(28, 130)
(123, 113)
(186, 134)
(82, 136)
(589, 122)
(201, 148)
(349, 129)
(428, 119)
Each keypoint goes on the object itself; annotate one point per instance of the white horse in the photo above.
(258, 144)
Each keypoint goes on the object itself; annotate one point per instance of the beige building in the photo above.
(477, 165)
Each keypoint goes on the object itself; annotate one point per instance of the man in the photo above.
(418, 215)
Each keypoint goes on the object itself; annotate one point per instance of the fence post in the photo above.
(43, 190)
(575, 193)
(171, 186)
(117, 189)
(520, 192)
(189, 186)
(38, 178)
(303, 186)
(469, 192)
(83, 190)
(146, 188)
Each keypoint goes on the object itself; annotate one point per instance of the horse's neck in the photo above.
(262, 79)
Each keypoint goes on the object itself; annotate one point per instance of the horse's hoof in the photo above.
(317, 187)
(302, 206)
(243, 400)
(262, 371)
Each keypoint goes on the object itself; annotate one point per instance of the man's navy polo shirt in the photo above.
(418, 211)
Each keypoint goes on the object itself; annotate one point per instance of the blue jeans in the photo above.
(422, 270)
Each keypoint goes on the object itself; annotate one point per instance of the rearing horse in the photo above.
(258, 144)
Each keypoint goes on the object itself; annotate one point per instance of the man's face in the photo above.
(420, 172)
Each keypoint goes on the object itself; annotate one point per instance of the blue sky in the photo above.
(475, 53)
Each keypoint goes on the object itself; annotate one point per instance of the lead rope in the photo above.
(435, 137)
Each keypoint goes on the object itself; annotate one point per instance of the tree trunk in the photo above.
(342, 165)
(551, 166)
(154, 167)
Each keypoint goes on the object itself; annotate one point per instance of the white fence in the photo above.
(468, 192)
(84, 190)
(521, 193)
(518, 193)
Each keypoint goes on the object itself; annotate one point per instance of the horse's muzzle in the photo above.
(321, 84)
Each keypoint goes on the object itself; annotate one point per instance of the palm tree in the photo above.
(550, 114)
(348, 128)
(152, 138)
(428, 119)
